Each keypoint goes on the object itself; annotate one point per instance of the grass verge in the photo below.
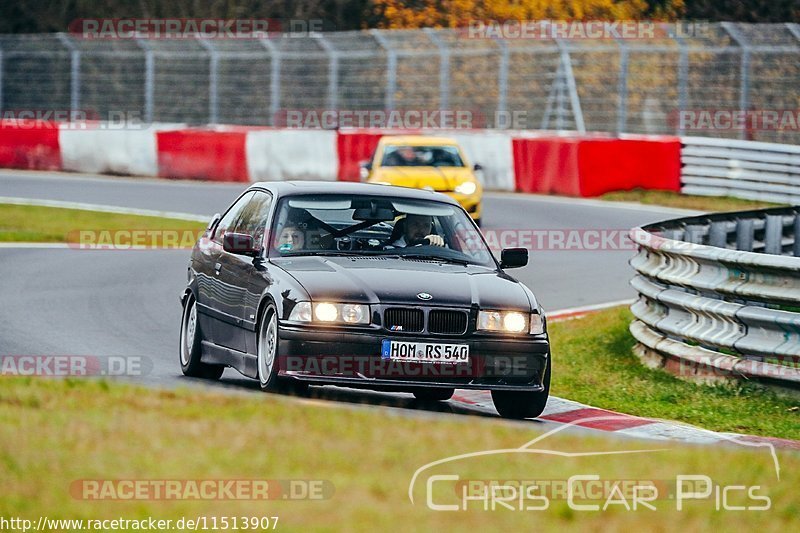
(685, 201)
(24, 223)
(594, 364)
(55, 432)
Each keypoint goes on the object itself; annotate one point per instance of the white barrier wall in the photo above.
(275, 155)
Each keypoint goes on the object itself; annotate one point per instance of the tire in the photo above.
(433, 395)
(191, 337)
(267, 348)
(518, 405)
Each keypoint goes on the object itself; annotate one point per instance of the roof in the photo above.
(290, 188)
(418, 140)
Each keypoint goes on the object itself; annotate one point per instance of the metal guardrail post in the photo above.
(796, 230)
(622, 88)
(718, 234)
(391, 68)
(744, 82)
(444, 68)
(274, 79)
(773, 235)
(75, 72)
(149, 78)
(333, 71)
(745, 230)
(213, 79)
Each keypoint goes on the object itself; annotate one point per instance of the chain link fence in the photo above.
(666, 85)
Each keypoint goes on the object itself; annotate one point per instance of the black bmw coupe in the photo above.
(361, 285)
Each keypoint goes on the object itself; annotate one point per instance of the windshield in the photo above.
(421, 156)
(367, 225)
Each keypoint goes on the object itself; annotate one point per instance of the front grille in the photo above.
(399, 319)
(447, 322)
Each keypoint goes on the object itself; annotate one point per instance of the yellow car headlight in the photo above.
(467, 187)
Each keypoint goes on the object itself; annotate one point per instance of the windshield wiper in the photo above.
(443, 259)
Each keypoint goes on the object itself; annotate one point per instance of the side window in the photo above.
(228, 222)
(253, 218)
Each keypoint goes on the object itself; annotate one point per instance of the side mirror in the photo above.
(239, 243)
(513, 258)
(364, 169)
(477, 166)
(213, 221)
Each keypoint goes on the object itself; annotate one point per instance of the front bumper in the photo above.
(353, 359)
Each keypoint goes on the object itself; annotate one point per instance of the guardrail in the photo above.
(719, 296)
(743, 169)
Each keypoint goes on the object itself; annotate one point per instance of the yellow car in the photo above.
(433, 163)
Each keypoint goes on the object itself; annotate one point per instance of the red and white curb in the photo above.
(563, 411)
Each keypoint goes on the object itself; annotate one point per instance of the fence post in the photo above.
(391, 68)
(75, 72)
(572, 87)
(149, 77)
(274, 79)
(213, 74)
(444, 68)
(683, 80)
(622, 88)
(333, 72)
(744, 82)
(502, 83)
(1, 79)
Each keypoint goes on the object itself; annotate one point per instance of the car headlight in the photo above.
(467, 187)
(330, 313)
(537, 324)
(508, 321)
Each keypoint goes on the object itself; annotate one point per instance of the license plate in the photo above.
(424, 352)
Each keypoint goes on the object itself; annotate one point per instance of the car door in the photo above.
(211, 294)
(237, 273)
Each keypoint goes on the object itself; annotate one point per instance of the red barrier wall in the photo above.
(607, 165)
(29, 144)
(202, 155)
(353, 148)
(547, 165)
(594, 166)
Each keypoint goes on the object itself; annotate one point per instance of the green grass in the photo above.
(23, 223)
(594, 364)
(685, 201)
(54, 432)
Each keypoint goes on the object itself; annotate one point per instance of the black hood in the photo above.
(391, 280)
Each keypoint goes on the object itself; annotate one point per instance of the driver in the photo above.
(416, 228)
(291, 238)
